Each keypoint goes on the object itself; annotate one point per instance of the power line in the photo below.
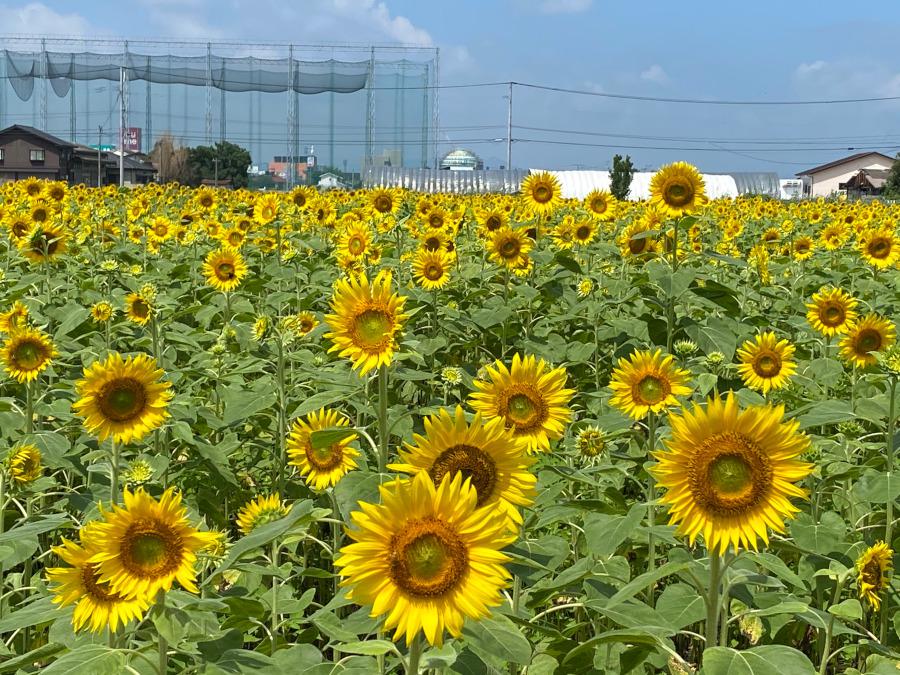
(689, 149)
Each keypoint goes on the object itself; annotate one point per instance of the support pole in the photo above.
(99, 151)
(425, 118)
(44, 83)
(370, 110)
(291, 165)
(209, 93)
(509, 128)
(122, 126)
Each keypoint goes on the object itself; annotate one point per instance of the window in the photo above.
(37, 155)
(1, 154)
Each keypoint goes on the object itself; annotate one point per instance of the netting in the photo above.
(350, 106)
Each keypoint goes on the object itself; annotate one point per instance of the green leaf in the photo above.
(643, 581)
(30, 658)
(368, 648)
(498, 638)
(717, 335)
(877, 487)
(41, 610)
(627, 636)
(242, 403)
(823, 537)
(89, 659)
(302, 511)
(721, 295)
(324, 438)
(333, 627)
(355, 487)
(826, 412)
(765, 660)
(680, 605)
(604, 533)
(850, 609)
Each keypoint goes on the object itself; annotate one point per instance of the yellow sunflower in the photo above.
(24, 462)
(366, 320)
(97, 606)
(874, 567)
(27, 353)
(260, 511)
(677, 189)
(384, 201)
(867, 336)
(13, 318)
(431, 269)
(486, 453)
(224, 269)
(138, 308)
(583, 232)
(601, 205)
(43, 243)
(802, 248)
(636, 241)
(729, 473)
(265, 209)
(529, 397)
(647, 382)
(879, 247)
(102, 311)
(325, 465)
(766, 362)
(541, 192)
(122, 398)
(426, 557)
(831, 311)
(509, 247)
(833, 236)
(304, 322)
(146, 545)
(354, 241)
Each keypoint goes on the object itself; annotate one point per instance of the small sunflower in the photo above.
(647, 382)
(431, 269)
(485, 453)
(265, 209)
(879, 247)
(384, 201)
(831, 311)
(529, 397)
(44, 243)
(365, 321)
(541, 192)
(354, 241)
(224, 269)
(509, 247)
(874, 567)
(677, 189)
(585, 287)
(590, 442)
(304, 322)
(601, 205)
(24, 462)
(322, 466)
(122, 398)
(871, 334)
(138, 308)
(426, 557)
(102, 311)
(97, 606)
(766, 362)
(729, 474)
(583, 232)
(27, 353)
(260, 511)
(146, 545)
(13, 318)
(803, 248)
(638, 240)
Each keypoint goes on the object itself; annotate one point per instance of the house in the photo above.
(331, 181)
(26, 151)
(832, 178)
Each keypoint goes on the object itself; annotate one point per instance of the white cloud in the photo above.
(35, 18)
(809, 69)
(655, 73)
(565, 6)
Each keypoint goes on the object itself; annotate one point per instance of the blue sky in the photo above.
(714, 50)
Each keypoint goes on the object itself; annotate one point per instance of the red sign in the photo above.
(133, 139)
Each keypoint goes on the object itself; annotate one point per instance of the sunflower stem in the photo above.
(383, 431)
(2, 522)
(713, 601)
(889, 512)
(114, 474)
(335, 538)
(282, 412)
(161, 641)
(651, 505)
(275, 551)
(415, 655)
(826, 650)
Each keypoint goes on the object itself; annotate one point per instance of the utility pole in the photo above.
(122, 126)
(509, 129)
(216, 163)
(99, 143)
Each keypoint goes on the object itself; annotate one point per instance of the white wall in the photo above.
(825, 183)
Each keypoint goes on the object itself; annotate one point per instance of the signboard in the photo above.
(310, 161)
(103, 148)
(133, 139)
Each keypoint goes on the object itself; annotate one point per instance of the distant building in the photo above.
(387, 157)
(461, 160)
(26, 151)
(281, 164)
(833, 178)
(331, 181)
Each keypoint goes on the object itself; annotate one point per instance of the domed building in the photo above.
(461, 160)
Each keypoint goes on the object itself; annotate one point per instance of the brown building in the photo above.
(26, 151)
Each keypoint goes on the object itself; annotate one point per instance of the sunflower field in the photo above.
(386, 432)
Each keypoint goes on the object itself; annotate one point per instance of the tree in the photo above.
(233, 161)
(620, 177)
(892, 184)
(171, 161)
